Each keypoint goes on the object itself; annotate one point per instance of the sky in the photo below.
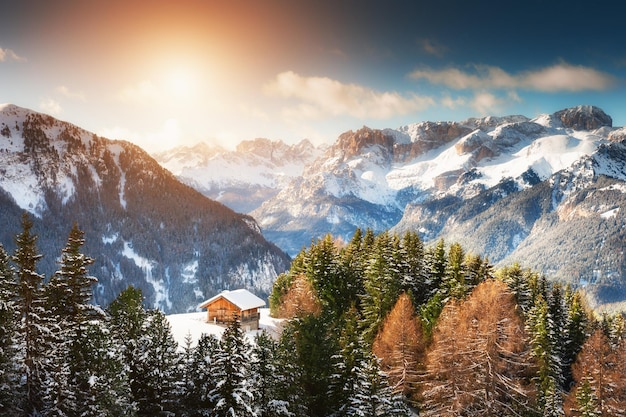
(165, 73)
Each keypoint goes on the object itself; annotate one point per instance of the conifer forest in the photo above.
(381, 325)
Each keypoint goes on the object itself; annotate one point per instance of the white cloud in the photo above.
(453, 103)
(555, 78)
(50, 106)
(322, 97)
(486, 103)
(66, 92)
(10, 55)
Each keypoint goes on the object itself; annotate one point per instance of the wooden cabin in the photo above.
(241, 304)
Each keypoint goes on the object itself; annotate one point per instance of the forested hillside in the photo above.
(377, 326)
(148, 229)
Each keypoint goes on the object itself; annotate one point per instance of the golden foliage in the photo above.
(479, 361)
(400, 347)
(602, 366)
(300, 300)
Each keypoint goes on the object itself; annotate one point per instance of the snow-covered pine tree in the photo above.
(324, 270)
(313, 340)
(158, 368)
(345, 363)
(436, 264)
(576, 331)
(454, 282)
(415, 278)
(540, 327)
(586, 400)
(127, 320)
(518, 281)
(34, 329)
(9, 341)
(232, 394)
(68, 301)
(201, 376)
(382, 284)
(289, 387)
(264, 378)
(372, 395)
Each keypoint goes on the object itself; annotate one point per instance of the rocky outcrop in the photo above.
(351, 143)
(584, 118)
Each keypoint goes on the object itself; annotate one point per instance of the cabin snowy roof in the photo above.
(242, 298)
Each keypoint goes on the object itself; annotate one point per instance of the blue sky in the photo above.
(163, 73)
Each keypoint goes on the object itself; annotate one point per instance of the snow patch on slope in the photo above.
(160, 288)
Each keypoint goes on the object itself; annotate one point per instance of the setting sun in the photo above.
(181, 83)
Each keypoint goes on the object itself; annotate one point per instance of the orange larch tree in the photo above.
(478, 363)
(400, 347)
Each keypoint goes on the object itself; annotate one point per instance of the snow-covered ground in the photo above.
(195, 325)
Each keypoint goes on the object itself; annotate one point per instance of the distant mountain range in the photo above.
(548, 192)
(244, 178)
(143, 226)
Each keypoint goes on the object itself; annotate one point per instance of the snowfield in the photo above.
(195, 325)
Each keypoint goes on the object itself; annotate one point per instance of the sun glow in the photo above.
(181, 83)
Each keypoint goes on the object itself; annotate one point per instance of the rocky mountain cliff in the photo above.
(546, 192)
(244, 178)
(142, 225)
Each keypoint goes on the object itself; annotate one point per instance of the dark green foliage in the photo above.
(382, 284)
(314, 341)
(35, 329)
(263, 375)
(231, 394)
(124, 362)
(200, 371)
(157, 368)
(9, 341)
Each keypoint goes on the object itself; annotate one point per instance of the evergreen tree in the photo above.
(372, 395)
(128, 317)
(430, 312)
(34, 330)
(264, 377)
(414, 275)
(382, 285)
(358, 387)
(576, 329)
(289, 380)
(9, 341)
(68, 296)
(454, 280)
(353, 260)
(346, 363)
(201, 373)
(324, 270)
(314, 344)
(232, 392)
(102, 387)
(586, 400)
(437, 264)
(518, 281)
(540, 326)
(157, 365)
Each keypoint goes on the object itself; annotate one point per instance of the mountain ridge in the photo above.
(143, 226)
(498, 181)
